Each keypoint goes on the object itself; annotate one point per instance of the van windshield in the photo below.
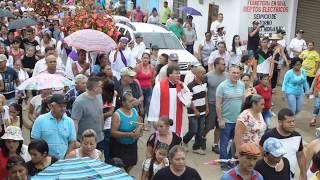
(162, 40)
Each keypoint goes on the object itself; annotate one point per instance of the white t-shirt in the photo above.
(156, 167)
(5, 115)
(42, 66)
(215, 54)
(107, 122)
(138, 50)
(298, 45)
(214, 25)
(36, 102)
(153, 20)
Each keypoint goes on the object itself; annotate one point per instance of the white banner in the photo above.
(272, 14)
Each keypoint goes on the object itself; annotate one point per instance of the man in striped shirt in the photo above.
(197, 110)
(229, 98)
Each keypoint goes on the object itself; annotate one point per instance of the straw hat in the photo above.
(275, 37)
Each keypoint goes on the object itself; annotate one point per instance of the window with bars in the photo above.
(176, 5)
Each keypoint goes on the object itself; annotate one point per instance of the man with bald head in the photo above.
(51, 62)
(197, 110)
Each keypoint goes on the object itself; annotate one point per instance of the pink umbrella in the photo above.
(90, 40)
(45, 81)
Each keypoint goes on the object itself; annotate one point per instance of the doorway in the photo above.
(212, 14)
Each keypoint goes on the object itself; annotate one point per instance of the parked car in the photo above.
(158, 35)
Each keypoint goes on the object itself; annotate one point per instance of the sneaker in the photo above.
(186, 147)
(215, 148)
(199, 151)
(204, 144)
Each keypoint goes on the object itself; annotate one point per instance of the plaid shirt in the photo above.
(71, 96)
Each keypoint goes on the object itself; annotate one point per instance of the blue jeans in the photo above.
(196, 127)
(226, 134)
(266, 114)
(106, 149)
(146, 100)
(189, 48)
(316, 106)
(295, 102)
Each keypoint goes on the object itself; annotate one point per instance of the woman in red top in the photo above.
(264, 89)
(315, 89)
(145, 77)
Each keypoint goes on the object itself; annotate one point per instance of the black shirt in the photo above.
(32, 170)
(176, 140)
(29, 62)
(253, 42)
(26, 43)
(165, 173)
(269, 173)
(9, 78)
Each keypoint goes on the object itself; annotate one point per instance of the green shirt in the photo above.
(178, 31)
(165, 15)
(232, 97)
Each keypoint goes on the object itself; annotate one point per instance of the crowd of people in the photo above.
(126, 92)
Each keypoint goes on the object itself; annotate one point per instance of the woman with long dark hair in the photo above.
(11, 145)
(101, 60)
(236, 50)
(109, 98)
(40, 159)
(250, 125)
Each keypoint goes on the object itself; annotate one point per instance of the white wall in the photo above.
(232, 13)
(229, 8)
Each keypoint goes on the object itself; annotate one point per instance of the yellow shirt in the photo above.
(17, 124)
(309, 61)
(314, 177)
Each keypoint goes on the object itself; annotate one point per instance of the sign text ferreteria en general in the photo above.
(272, 14)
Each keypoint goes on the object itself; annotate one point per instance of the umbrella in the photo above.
(21, 23)
(45, 81)
(81, 168)
(6, 13)
(90, 40)
(190, 11)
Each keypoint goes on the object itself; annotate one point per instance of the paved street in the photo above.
(209, 172)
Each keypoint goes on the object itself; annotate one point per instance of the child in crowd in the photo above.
(15, 115)
(264, 89)
(158, 161)
(246, 64)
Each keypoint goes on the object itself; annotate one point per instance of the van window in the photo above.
(162, 40)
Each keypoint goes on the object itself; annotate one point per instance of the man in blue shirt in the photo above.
(229, 98)
(248, 156)
(56, 128)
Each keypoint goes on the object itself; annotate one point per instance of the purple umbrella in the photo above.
(190, 11)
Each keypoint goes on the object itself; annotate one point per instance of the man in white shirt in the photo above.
(121, 57)
(139, 48)
(41, 64)
(220, 52)
(216, 23)
(297, 44)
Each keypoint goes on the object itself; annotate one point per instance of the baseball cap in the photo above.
(274, 147)
(250, 149)
(3, 57)
(58, 98)
(300, 31)
(127, 71)
(280, 31)
(13, 133)
(173, 57)
(138, 35)
(155, 47)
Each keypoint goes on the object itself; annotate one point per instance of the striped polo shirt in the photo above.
(199, 92)
(232, 98)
